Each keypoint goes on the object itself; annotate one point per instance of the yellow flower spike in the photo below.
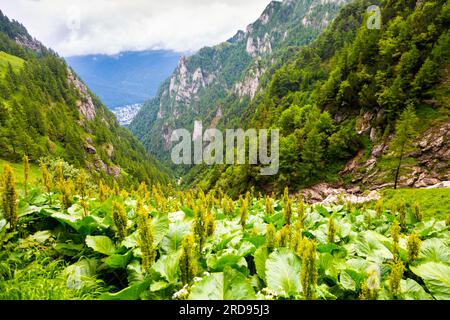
(9, 197)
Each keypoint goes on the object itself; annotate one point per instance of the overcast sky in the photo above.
(111, 26)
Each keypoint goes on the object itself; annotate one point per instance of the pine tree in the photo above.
(404, 137)
(312, 154)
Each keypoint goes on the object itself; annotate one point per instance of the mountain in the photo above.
(358, 108)
(126, 78)
(347, 104)
(126, 114)
(46, 110)
(201, 86)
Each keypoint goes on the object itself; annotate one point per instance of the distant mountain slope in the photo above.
(126, 114)
(46, 110)
(126, 78)
(201, 86)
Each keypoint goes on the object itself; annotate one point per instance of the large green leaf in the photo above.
(333, 249)
(260, 258)
(368, 244)
(81, 272)
(431, 228)
(411, 290)
(131, 241)
(118, 261)
(236, 286)
(283, 273)
(221, 260)
(435, 250)
(436, 277)
(135, 272)
(101, 244)
(84, 226)
(347, 281)
(227, 285)
(133, 292)
(167, 266)
(172, 241)
(160, 225)
(68, 249)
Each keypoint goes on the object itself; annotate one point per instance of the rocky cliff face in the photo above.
(431, 166)
(85, 104)
(233, 68)
(29, 42)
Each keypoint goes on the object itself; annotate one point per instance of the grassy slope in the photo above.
(5, 58)
(35, 173)
(433, 202)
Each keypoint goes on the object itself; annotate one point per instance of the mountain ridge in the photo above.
(211, 74)
(339, 96)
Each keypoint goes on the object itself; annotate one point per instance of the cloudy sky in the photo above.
(111, 26)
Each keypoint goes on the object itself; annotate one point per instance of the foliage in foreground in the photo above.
(114, 244)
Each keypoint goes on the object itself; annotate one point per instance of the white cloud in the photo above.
(111, 26)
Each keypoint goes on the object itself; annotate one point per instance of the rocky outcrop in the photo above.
(325, 193)
(115, 171)
(98, 165)
(259, 45)
(90, 148)
(249, 86)
(434, 150)
(85, 105)
(109, 149)
(432, 156)
(184, 85)
(364, 124)
(29, 42)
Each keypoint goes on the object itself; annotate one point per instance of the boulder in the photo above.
(90, 148)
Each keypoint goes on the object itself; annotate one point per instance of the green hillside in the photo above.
(47, 111)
